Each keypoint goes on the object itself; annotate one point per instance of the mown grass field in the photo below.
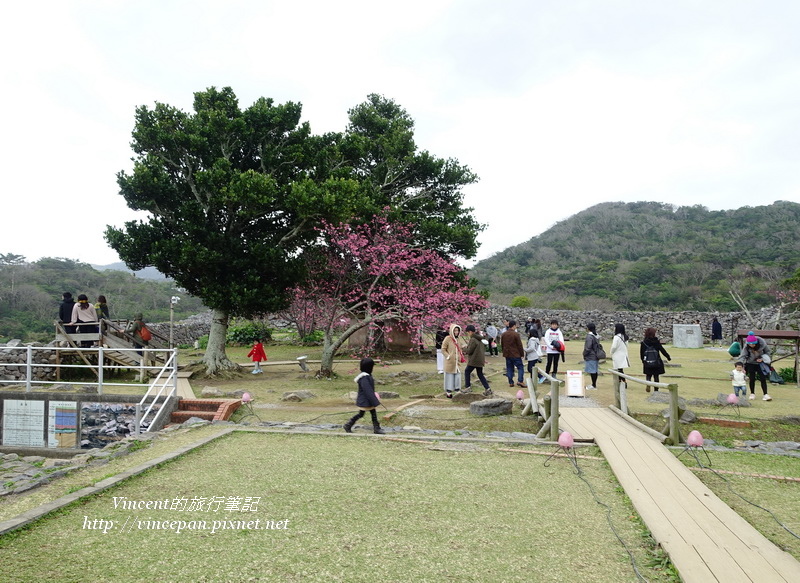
(357, 510)
(365, 509)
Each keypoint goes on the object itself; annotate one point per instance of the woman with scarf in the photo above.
(84, 312)
(453, 353)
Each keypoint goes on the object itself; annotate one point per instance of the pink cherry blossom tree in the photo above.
(365, 275)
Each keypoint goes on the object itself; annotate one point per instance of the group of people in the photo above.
(454, 350)
(753, 363)
(650, 353)
(83, 317)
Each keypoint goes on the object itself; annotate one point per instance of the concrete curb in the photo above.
(36, 513)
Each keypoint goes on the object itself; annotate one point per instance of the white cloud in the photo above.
(557, 106)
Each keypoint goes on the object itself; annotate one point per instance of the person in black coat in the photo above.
(65, 311)
(650, 352)
(366, 400)
(716, 332)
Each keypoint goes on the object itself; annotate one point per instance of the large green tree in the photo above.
(232, 196)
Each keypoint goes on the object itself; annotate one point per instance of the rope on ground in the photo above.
(735, 493)
(579, 473)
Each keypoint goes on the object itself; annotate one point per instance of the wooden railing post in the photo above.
(554, 393)
(674, 437)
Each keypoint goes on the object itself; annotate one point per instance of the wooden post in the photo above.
(546, 399)
(617, 400)
(545, 428)
(623, 395)
(554, 393)
(674, 437)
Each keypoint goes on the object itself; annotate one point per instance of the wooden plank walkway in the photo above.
(185, 390)
(705, 539)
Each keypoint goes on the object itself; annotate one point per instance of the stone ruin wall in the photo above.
(573, 323)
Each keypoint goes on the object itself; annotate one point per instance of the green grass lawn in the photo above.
(368, 509)
(357, 510)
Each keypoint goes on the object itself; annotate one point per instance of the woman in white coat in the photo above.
(619, 349)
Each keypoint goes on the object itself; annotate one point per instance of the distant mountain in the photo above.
(650, 255)
(146, 273)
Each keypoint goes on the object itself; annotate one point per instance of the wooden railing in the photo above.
(672, 431)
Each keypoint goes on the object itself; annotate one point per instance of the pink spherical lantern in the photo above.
(246, 398)
(520, 395)
(695, 439)
(733, 399)
(565, 440)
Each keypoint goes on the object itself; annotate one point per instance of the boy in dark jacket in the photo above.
(367, 400)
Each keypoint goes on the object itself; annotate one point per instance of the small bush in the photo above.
(314, 338)
(788, 374)
(202, 342)
(247, 333)
(521, 302)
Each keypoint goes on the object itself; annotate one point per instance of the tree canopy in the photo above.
(370, 274)
(233, 196)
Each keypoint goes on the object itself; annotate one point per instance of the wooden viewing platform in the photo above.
(705, 539)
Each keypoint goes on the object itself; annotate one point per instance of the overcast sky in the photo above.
(557, 105)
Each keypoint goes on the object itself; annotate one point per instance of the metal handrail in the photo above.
(96, 369)
(173, 376)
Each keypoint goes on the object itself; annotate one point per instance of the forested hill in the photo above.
(649, 255)
(30, 293)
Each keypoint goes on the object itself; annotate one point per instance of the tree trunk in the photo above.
(331, 346)
(215, 359)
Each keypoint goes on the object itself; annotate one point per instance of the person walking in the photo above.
(650, 352)
(754, 353)
(553, 334)
(366, 400)
(619, 350)
(492, 333)
(716, 332)
(592, 354)
(257, 354)
(453, 352)
(739, 380)
(533, 351)
(513, 351)
(476, 359)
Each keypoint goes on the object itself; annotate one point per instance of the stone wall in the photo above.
(573, 323)
(14, 358)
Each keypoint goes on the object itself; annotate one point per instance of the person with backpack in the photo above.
(592, 353)
(138, 329)
(554, 342)
(650, 352)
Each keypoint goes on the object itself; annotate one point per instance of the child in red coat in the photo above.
(257, 354)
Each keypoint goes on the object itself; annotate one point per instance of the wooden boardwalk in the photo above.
(705, 539)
